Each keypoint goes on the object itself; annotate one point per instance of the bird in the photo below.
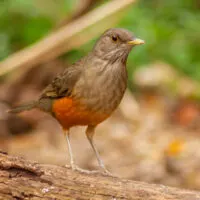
(87, 92)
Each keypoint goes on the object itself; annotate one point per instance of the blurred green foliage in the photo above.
(171, 31)
(22, 22)
(169, 27)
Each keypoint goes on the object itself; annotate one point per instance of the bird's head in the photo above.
(115, 44)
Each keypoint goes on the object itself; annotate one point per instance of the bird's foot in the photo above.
(76, 168)
(104, 171)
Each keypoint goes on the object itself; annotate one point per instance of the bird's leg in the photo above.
(90, 133)
(73, 166)
(67, 134)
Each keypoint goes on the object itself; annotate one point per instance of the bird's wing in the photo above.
(62, 85)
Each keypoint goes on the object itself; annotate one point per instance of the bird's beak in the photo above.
(136, 41)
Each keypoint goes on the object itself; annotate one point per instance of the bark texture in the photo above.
(21, 179)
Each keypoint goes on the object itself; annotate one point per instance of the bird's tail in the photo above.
(23, 107)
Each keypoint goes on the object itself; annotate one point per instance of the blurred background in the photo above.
(154, 134)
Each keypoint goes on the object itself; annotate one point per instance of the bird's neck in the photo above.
(115, 56)
(106, 71)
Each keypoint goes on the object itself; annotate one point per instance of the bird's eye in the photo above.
(114, 38)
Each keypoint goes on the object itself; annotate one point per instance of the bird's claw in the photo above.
(76, 168)
(102, 170)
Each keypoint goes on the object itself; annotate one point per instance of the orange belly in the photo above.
(70, 113)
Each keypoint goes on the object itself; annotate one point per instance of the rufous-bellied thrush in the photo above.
(88, 91)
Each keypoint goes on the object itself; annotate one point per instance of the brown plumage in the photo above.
(87, 92)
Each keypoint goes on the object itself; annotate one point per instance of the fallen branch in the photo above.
(67, 37)
(21, 179)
